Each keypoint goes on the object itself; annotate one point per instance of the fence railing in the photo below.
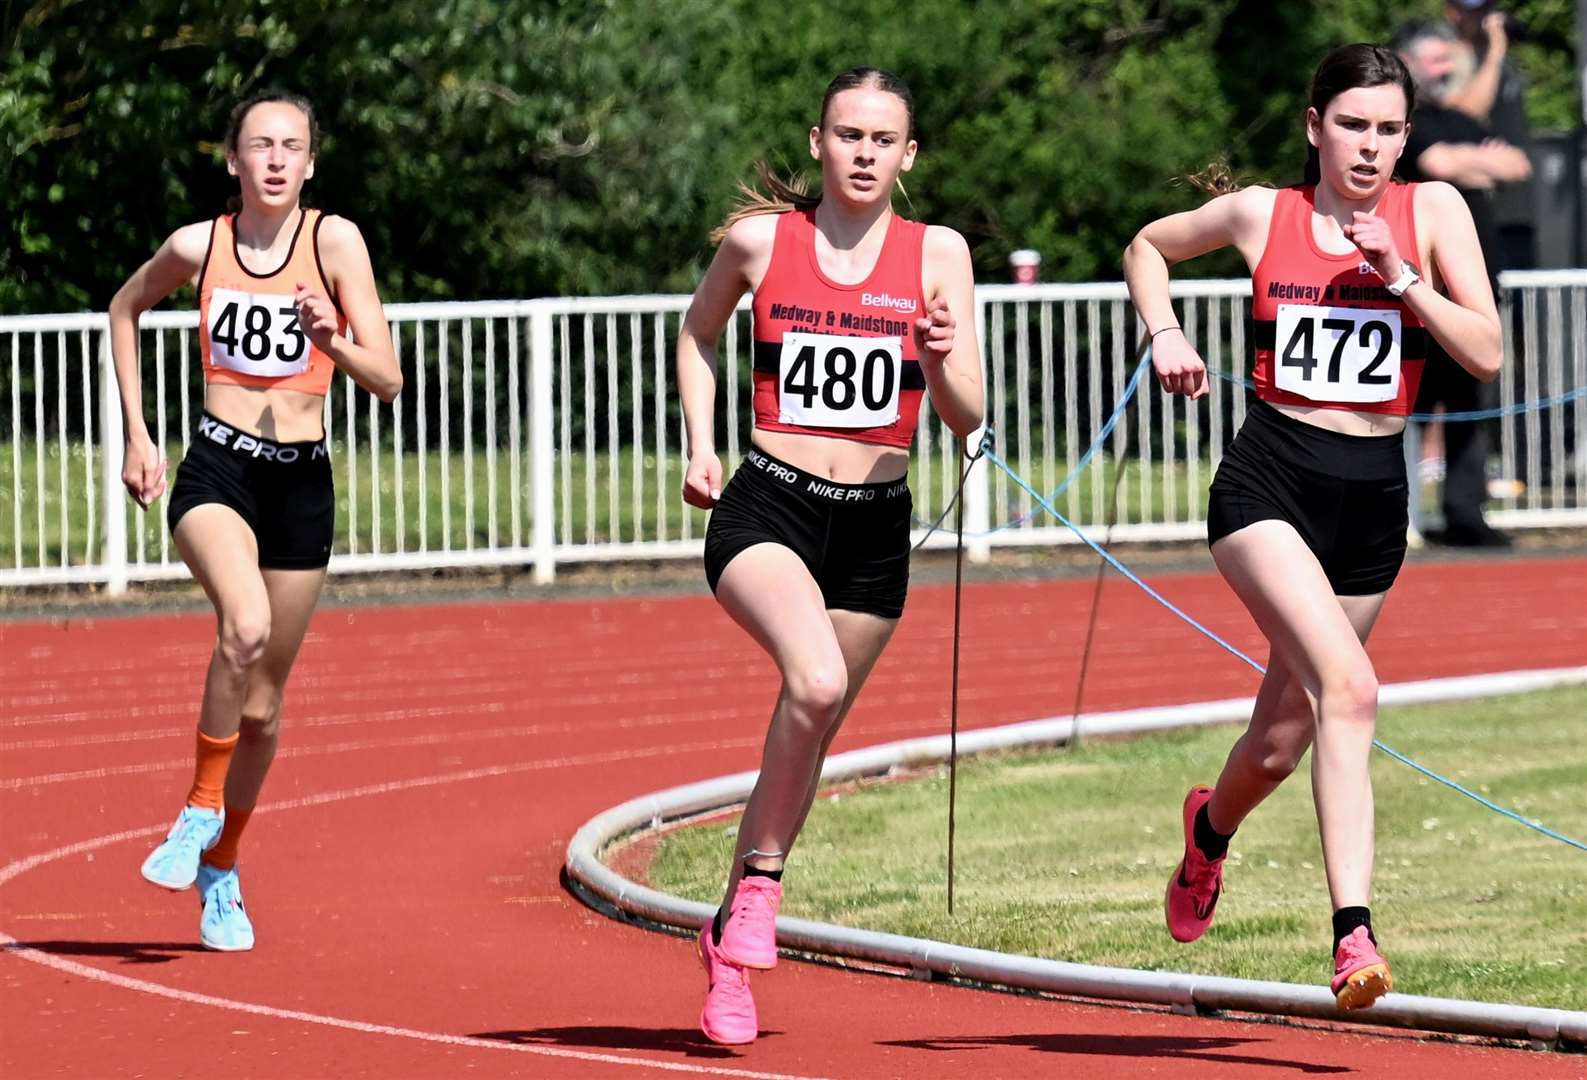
(544, 431)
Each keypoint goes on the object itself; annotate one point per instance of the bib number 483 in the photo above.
(828, 380)
(1337, 354)
(256, 334)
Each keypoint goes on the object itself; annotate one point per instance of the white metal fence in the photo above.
(545, 431)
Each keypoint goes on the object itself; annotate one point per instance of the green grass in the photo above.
(1065, 855)
(446, 520)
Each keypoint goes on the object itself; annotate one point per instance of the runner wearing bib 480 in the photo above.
(858, 315)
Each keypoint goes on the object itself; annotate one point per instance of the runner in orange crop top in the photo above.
(1307, 519)
(857, 315)
(252, 511)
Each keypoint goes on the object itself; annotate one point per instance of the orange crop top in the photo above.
(248, 325)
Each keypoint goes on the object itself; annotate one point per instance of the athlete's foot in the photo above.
(1197, 883)
(729, 1013)
(1361, 975)
(174, 864)
(749, 934)
(224, 925)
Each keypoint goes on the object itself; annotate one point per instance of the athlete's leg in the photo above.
(769, 592)
(1282, 726)
(293, 595)
(220, 549)
(1281, 583)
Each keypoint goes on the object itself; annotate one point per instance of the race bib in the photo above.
(256, 334)
(827, 380)
(1337, 353)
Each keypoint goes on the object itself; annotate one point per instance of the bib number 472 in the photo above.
(1337, 354)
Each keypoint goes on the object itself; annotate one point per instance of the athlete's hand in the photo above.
(316, 315)
(1179, 367)
(702, 482)
(1373, 236)
(1498, 38)
(143, 470)
(934, 332)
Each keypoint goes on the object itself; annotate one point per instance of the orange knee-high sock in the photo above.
(209, 775)
(223, 856)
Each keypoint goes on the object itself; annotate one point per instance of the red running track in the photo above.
(405, 883)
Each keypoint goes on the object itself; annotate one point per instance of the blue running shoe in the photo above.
(224, 926)
(174, 864)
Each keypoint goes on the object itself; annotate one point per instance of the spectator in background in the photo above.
(1495, 95)
(1447, 143)
(1024, 266)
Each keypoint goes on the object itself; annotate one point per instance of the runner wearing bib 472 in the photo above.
(1329, 334)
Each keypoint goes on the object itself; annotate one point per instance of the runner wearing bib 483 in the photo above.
(1351, 274)
(858, 315)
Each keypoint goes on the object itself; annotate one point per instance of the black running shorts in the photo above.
(283, 491)
(853, 538)
(1345, 494)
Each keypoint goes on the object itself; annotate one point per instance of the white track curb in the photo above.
(1200, 993)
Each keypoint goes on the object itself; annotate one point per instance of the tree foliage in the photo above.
(493, 148)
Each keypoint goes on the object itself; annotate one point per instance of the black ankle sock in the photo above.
(1209, 841)
(755, 871)
(1346, 919)
(716, 927)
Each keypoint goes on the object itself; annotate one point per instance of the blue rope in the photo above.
(1517, 409)
(992, 456)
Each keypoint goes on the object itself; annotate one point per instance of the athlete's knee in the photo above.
(815, 694)
(1350, 692)
(1276, 757)
(243, 636)
(261, 715)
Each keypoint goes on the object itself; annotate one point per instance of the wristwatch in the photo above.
(1409, 276)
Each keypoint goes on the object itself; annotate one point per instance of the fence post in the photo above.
(541, 460)
(977, 486)
(114, 495)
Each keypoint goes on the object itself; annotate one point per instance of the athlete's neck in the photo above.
(1330, 203)
(259, 229)
(847, 227)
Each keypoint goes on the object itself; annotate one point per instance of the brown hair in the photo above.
(793, 193)
(1344, 68)
(284, 97)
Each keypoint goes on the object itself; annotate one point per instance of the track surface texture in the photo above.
(403, 872)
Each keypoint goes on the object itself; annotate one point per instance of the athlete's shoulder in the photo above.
(1436, 195)
(1252, 204)
(190, 243)
(942, 242)
(752, 237)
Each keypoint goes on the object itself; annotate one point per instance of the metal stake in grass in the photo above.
(958, 595)
(1102, 569)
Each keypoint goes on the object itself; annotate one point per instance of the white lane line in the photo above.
(17, 867)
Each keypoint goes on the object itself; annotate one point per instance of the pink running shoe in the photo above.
(1194, 889)
(729, 1013)
(1361, 975)
(749, 936)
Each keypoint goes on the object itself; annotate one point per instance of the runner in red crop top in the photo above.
(1307, 517)
(858, 313)
(252, 510)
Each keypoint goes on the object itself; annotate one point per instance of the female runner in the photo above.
(857, 314)
(1307, 519)
(252, 511)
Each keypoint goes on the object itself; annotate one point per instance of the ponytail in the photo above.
(780, 197)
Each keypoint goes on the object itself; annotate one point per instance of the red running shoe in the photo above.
(1194, 889)
(749, 935)
(729, 1013)
(1361, 975)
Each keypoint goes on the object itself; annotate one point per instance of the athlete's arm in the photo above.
(177, 261)
(739, 264)
(950, 355)
(1238, 219)
(1466, 322)
(368, 357)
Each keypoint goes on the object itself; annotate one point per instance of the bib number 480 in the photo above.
(1338, 354)
(827, 380)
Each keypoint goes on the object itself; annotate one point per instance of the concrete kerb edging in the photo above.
(1185, 992)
